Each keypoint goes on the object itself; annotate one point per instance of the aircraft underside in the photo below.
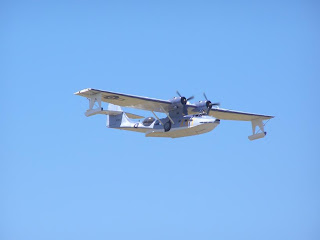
(175, 132)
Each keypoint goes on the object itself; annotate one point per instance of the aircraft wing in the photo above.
(125, 100)
(226, 114)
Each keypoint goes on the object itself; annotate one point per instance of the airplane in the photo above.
(182, 117)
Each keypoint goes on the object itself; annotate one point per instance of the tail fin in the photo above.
(112, 107)
(119, 120)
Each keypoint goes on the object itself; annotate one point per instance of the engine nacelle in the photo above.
(203, 106)
(180, 101)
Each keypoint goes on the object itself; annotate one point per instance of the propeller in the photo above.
(189, 98)
(210, 104)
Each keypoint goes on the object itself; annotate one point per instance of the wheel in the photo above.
(167, 126)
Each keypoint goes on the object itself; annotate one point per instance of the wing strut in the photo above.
(157, 118)
(95, 98)
(167, 115)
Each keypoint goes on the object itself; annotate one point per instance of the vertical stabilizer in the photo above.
(118, 120)
(112, 107)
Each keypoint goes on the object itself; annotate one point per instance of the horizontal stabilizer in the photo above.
(110, 112)
(133, 116)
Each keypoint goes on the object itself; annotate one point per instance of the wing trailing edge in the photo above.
(226, 114)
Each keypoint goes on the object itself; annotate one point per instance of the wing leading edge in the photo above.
(126, 100)
(165, 106)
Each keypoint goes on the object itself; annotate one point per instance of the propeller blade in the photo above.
(211, 105)
(208, 111)
(205, 96)
(190, 98)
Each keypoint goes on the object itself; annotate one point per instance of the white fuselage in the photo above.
(179, 127)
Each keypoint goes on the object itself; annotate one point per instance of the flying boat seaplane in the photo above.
(182, 117)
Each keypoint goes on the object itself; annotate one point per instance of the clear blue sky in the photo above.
(65, 176)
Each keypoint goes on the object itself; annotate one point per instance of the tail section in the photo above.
(117, 120)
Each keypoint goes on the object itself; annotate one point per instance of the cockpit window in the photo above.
(148, 121)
